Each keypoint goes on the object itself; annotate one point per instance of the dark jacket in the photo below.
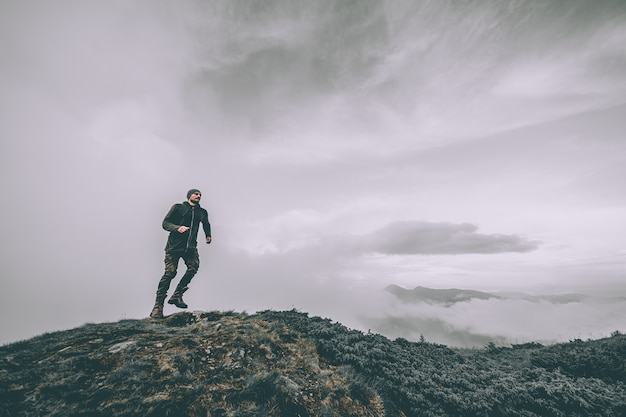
(184, 214)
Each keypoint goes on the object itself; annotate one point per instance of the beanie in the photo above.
(190, 192)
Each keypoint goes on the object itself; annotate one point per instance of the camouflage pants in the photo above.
(192, 261)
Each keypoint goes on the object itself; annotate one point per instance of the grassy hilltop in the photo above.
(289, 364)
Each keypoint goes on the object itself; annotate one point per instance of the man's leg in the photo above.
(171, 266)
(192, 261)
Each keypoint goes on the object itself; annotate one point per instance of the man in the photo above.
(183, 222)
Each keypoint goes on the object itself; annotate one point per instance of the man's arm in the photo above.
(206, 226)
(170, 217)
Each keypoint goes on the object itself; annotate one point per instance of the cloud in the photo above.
(299, 231)
(427, 238)
(306, 130)
(501, 320)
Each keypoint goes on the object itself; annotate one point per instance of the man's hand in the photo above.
(182, 229)
(208, 239)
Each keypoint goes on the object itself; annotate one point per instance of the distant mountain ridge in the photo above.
(454, 295)
(429, 295)
(271, 364)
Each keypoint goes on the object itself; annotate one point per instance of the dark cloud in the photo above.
(426, 238)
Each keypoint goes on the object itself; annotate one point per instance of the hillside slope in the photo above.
(289, 364)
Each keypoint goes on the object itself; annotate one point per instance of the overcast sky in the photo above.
(340, 147)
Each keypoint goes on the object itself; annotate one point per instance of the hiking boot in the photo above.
(157, 310)
(177, 300)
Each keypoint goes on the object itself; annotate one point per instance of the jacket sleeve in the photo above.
(170, 217)
(206, 225)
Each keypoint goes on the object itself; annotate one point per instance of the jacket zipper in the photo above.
(190, 227)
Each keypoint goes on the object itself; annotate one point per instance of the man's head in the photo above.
(193, 196)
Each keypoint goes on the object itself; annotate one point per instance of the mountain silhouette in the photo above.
(454, 295)
(443, 296)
